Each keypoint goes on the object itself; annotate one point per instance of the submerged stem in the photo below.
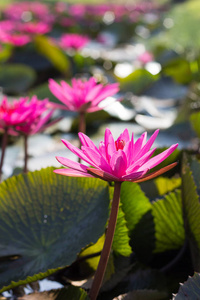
(107, 245)
(4, 144)
(25, 153)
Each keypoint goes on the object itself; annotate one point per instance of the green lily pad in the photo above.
(169, 227)
(16, 78)
(191, 206)
(46, 219)
(195, 121)
(190, 289)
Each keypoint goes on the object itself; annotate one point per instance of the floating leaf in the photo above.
(169, 227)
(139, 221)
(195, 121)
(165, 185)
(184, 36)
(179, 70)
(46, 219)
(121, 238)
(190, 289)
(16, 78)
(134, 203)
(191, 208)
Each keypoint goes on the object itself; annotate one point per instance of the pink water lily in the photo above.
(81, 95)
(73, 41)
(13, 114)
(120, 160)
(37, 119)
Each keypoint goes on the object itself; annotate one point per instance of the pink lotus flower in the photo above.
(24, 115)
(39, 116)
(35, 27)
(26, 10)
(17, 40)
(120, 160)
(73, 41)
(13, 114)
(82, 96)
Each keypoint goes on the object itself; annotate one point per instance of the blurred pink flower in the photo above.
(73, 41)
(120, 160)
(27, 11)
(35, 27)
(37, 119)
(13, 113)
(25, 115)
(145, 57)
(15, 39)
(82, 96)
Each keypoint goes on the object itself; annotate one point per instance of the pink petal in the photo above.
(86, 141)
(76, 151)
(137, 147)
(156, 173)
(102, 174)
(96, 159)
(135, 175)
(118, 163)
(107, 91)
(136, 165)
(148, 145)
(92, 93)
(154, 161)
(109, 144)
(71, 164)
(73, 173)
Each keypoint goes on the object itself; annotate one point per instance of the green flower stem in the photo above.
(82, 126)
(98, 278)
(25, 153)
(3, 147)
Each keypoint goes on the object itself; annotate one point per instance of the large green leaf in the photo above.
(195, 121)
(190, 289)
(184, 35)
(16, 78)
(139, 221)
(134, 203)
(160, 186)
(46, 219)
(47, 48)
(179, 70)
(191, 207)
(169, 227)
(121, 238)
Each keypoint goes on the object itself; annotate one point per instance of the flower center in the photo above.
(119, 144)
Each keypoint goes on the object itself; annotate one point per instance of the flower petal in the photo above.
(71, 164)
(102, 174)
(118, 163)
(97, 160)
(148, 145)
(154, 161)
(157, 173)
(72, 173)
